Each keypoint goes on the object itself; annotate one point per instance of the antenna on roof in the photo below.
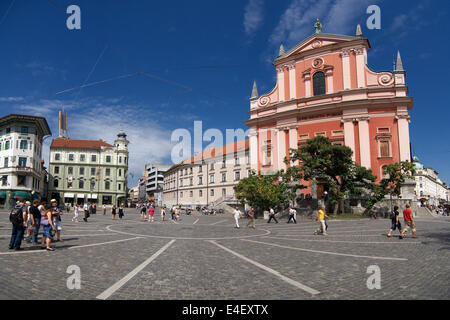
(62, 124)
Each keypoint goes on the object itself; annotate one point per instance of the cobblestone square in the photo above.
(205, 257)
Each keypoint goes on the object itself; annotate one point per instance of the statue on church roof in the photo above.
(318, 26)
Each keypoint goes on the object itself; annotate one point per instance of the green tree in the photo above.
(394, 175)
(321, 161)
(264, 191)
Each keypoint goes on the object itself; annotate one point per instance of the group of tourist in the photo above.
(27, 219)
(409, 222)
(147, 211)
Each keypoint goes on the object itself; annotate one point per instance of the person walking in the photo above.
(395, 223)
(143, 211)
(30, 222)
(36, 212)
(272, 215)
(94, 208)
(251, 218)
(172, 211)
(409, 222)
(18, 218)
(236, 215)
(76, 210)
(113, 212)
(47, 224)
(292, 215)
(121, 211)
(57, 219)
(321, 219)
(86, 212)
(163, 213)
(151, 213)
(104, 209)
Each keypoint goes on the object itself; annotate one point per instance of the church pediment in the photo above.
(317, 41)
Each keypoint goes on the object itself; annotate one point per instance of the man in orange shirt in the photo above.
(409, 221)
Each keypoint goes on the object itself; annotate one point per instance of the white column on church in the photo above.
(360, 62)
(293, 138)
(281, 148)
(307, 79)
(292, 83)
(280, 81)
(253, 137)
(346, 68)
(403, 138)
(364, 142)
(329, 75)
(349, 136)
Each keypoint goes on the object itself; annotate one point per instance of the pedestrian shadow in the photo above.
(442, 238)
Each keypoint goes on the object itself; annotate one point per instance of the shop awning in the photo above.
(69, 195)
(2, 194)
(92, 196)
(36, 196)
(21, 194)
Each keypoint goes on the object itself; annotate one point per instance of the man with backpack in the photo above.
(18, 218)
(394, 216)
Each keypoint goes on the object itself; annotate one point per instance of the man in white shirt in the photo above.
(292, 215)
(237, 214)
(272, 215)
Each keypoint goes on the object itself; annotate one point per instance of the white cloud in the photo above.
(11, 99)
(149, 142)
(253, 16)
(336, 16)
(96, 118)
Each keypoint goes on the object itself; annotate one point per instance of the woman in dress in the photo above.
(75, 213)
(113, 212)
(121, 211)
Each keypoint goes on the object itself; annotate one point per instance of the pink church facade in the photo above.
(325, 87)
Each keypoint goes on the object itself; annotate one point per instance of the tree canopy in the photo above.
(264, 191)
(322, 161)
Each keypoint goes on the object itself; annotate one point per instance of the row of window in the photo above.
(81, 185)
(20, 144)
(94, 171)
(200, 193)
(237, 177)
(21, 130)
(82, 158)
(190, 170)
(22, 181)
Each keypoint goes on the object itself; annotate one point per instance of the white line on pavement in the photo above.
(274, 272)
(110, 291)
(212, 224)
(196, 221)
(326, 252)
(102, 243)
(88, 235)
(350, 231)
(346, 241)
(22, 252)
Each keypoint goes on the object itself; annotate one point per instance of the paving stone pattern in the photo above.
(195, 268)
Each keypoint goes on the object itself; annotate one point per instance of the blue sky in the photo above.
(200, 59)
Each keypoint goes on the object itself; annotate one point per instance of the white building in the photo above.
(21, 167)
(155, 181)
(429, 187)
(208, 178)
